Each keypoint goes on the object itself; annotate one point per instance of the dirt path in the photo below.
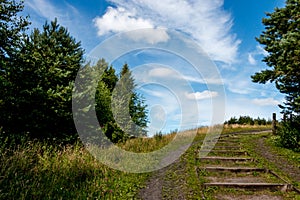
(153, 189)
(282, 163)
(162, 184)
(169, 182)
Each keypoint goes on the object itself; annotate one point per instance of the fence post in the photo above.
(274, 124)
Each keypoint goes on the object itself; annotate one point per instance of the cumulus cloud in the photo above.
(266, 102)
(119, 19)
(202, 95)
(205, 21)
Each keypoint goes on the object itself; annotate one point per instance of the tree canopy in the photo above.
(281, 39)
(37, 75)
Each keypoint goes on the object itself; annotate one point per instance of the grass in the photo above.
(42, 170)
(292, 156)
(248, 142)
(39, 170)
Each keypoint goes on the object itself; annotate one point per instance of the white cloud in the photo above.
(216, 81)
(67, 15)
(205, 21)
(266, 102)
(162, 72)
(251, 59)
(44, 8)
(119, 20)
(239, 85)
(202, 95)
(261, 50)
(150, 35)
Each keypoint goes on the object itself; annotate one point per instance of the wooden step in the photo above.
(234, 169)
(222, 143)
(275, 186)
(235, 159)
(225, 151)
(226, 147)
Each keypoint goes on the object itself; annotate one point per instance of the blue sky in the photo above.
(224, 29)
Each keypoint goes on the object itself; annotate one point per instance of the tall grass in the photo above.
(40, 170)
(44, 170)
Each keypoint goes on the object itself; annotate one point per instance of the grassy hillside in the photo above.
(41, 170)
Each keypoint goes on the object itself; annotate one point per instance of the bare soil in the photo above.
(161, 186)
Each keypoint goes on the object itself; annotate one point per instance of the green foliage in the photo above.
(12, 36)
(158, 136)
(12, 30)
(129, 107)
(121, 111)
(42, 82)
(246, 120)
(281, 39)
(289, 133)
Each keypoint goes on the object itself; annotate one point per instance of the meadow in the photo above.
(33, 169)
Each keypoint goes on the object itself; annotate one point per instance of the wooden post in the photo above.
(274, 124)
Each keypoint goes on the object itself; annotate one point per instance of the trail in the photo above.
(242, 174)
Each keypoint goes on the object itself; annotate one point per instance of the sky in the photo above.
(221, 32)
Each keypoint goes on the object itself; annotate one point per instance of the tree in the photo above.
(129, 109)
(121, 111)
(42, 83)
(12, 36)
(281, 39)
(12, 30)
(109, 77)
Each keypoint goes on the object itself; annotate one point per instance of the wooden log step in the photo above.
(224, 151)
(226, 147)
(236, 159)
(234, 169)
(276, 186)
(222, 139)
(222, 143)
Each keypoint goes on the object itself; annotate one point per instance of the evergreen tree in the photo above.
(12, 30)
(110, 78)
(12, 36)
(128, 107)
(43, 82)
(281, 39)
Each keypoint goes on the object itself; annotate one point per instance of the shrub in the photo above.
(289, 133)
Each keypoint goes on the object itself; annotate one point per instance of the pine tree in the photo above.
(281, 39)
(12, 37)
(128, 107)
(12, 30)
(43, 82)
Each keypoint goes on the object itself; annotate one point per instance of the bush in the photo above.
(289, 133)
